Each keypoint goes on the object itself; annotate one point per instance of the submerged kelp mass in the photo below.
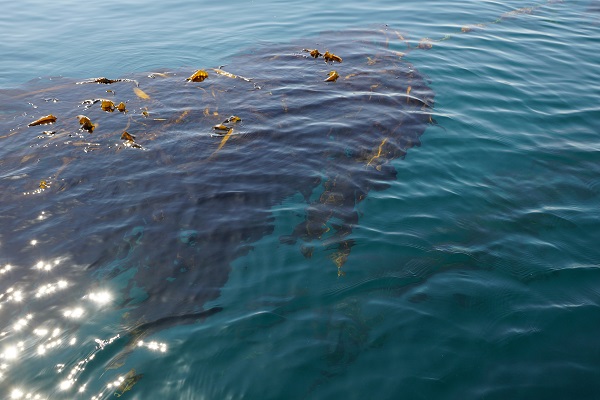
(142, 191)
(205, 158)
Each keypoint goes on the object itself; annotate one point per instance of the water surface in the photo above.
(473, 270)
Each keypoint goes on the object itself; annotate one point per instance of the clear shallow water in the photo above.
(474, 274)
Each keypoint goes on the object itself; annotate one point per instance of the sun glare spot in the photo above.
(15, 295)
(75, 313)
(10, 353)
(66, 384)
(41, 332)
(153, 345)
(100, 297)
(44, 266)
(50, 288)
(17, 394)
(20, 324)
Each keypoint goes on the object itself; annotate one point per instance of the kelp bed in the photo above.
(224, 148)
(160, 181)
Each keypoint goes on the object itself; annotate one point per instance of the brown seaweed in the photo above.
(86, 124)
(127, 382)
(232, 119)
(314, 53)
(48, 119)
(105, 81)
(127, 136)
(425, 44)
(330, 57)
(221, 127)
(107, 105)
(226, 125)
(140, 93)
(219, 71)
(129, 140)
(333, 76)
(198, 76)
(224, 140)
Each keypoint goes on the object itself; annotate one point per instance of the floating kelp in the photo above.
(313, 52)
(232, 119)
(105, 81)
(86, 123)
(198, 76)
(224, 140)
(127, 382)
(425, 44)
(226, 125)
(330, 57)
(130, 140)
(469, 28)
(48, 119)
(127, 136)
(333, 75)
(107, 105)
(158, 74)
(140, 93)
(230, 75)
(221, 127)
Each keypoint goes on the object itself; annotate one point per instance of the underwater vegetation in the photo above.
(158, 182)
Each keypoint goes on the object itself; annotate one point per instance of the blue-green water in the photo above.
(474, 274)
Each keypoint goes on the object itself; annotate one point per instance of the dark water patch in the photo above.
(162, 221)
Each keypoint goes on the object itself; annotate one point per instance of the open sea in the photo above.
(412, 212)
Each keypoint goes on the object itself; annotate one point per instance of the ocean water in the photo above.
(425, 227)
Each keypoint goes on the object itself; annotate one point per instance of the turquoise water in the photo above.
(473, 273)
